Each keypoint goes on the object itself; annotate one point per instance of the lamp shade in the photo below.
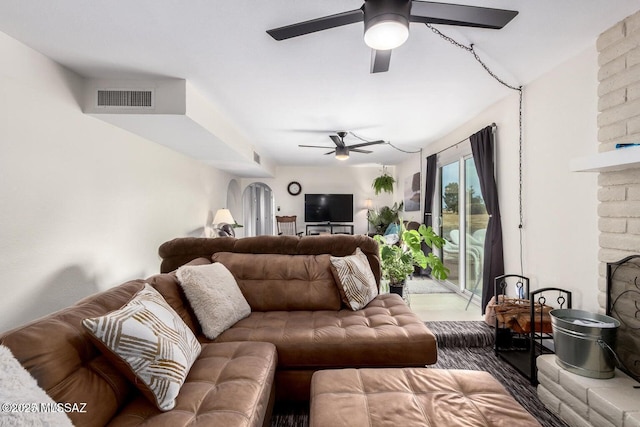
(223, 216)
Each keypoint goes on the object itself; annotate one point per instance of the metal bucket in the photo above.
(584, 342)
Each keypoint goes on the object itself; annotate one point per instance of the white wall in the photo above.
(560, 224)
(339, 179)
(405, 172)
(85, 205)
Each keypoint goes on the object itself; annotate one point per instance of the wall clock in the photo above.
(294, 188)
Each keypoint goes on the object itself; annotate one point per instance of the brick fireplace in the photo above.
(618, 122)
(578, 400)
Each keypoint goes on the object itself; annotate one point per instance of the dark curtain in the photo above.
(429, 191)
(430, 188)
(482, 149)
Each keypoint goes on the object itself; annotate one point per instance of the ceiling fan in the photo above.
(386, 23)
(342, 150)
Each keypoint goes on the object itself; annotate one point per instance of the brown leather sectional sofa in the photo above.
(297, 325)
(295, 305)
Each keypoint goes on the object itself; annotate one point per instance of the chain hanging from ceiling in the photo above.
(388, 143)
(519, 89)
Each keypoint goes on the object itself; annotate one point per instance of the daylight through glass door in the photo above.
(463, 223)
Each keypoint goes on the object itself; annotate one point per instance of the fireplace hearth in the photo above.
(583, 401)
(623, 304)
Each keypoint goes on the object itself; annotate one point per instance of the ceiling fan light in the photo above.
(342, 153)
(386, 34)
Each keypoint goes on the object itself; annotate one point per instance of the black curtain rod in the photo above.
(493, 128)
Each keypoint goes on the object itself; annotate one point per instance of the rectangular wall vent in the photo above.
(125, 98)
(256, 157)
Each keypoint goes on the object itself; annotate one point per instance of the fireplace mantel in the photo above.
(623, 158)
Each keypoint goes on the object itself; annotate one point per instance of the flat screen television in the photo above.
(328, 207)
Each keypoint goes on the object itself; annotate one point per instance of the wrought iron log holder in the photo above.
(623, 304)
(520, 348)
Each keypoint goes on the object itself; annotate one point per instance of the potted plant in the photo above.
(381, 218)
(383, 183)
(399, 259)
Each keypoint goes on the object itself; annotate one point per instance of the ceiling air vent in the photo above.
(256, 157)
(125, 98)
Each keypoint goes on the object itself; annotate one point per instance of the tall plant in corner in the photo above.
(384, 182)
(399, 259)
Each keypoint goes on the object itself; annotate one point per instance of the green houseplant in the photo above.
(381, 218)
(399, 259)
(383, 183)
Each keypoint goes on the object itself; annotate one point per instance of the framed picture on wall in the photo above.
(412, 193)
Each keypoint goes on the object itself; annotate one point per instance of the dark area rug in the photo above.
(461, 345)
(290, 416)
(462, 334)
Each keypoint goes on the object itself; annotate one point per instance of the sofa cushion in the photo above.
(57, 352)
(169, 287)
(230, 384)
(355, 279)
(149, 343)
(22, 399)
(283, 282)
(214, 296)
(385, 333)
(179, 251)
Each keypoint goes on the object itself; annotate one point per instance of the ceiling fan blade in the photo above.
(380, 60)
(312, 146)
(357, 150)
(322, 131)
(364, 144)
(336, 139)
(330, 152)
(319, 24)
(428, 12)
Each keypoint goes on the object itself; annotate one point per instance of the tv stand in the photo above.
(328, 228)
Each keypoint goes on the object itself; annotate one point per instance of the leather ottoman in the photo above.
(412, 397)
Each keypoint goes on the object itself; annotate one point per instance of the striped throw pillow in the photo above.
(149, 343)
(355, 279)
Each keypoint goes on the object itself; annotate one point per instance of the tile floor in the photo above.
(443, 306)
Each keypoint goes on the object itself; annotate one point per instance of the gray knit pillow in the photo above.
(214, 296)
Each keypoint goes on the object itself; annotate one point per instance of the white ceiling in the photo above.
(298, 91)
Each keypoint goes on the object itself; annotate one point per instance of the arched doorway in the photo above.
(258, 207)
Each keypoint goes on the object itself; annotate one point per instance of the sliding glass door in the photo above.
(462, 220)
(475, 226)
(450, 219)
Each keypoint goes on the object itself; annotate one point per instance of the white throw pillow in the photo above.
(355, 280)
(19, 392)
(214, 296)
(149, 343)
